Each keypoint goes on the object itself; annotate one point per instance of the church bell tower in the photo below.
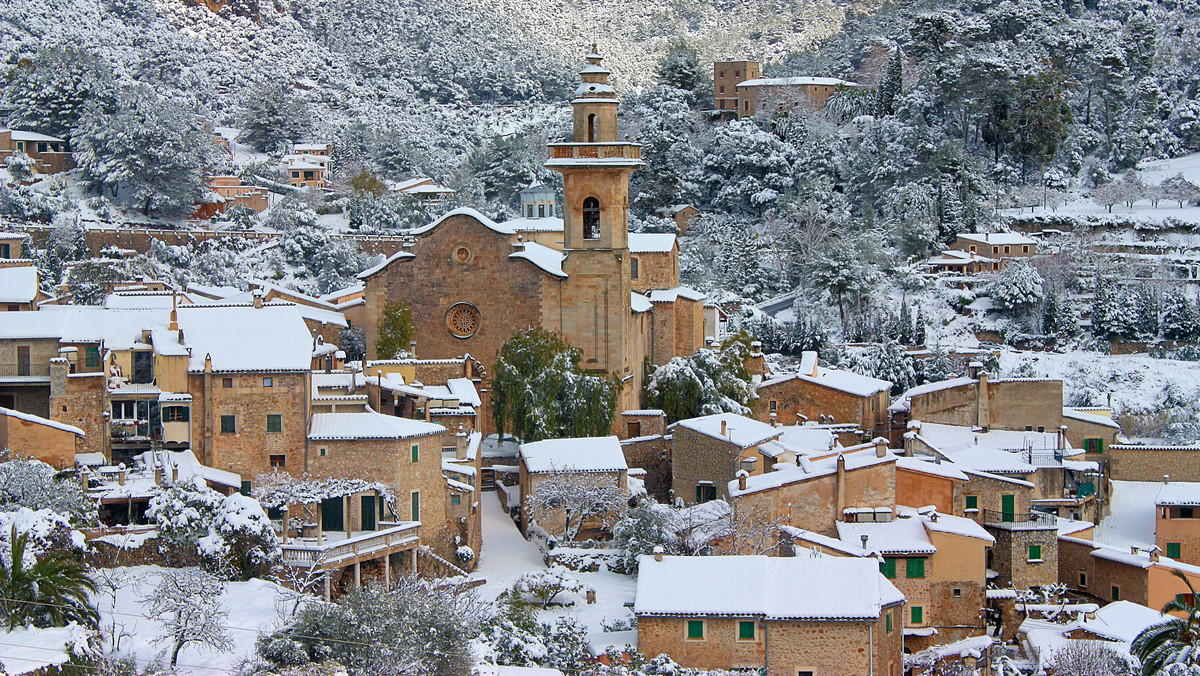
(596, 316)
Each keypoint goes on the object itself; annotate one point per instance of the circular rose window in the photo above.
(463, 320)
(461, 254)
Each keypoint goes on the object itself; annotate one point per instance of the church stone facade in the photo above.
(472, 283)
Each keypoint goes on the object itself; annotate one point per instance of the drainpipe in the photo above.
(766, 646)
(871, 646)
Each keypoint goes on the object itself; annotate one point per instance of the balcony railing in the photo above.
(595, 151)
(1029, 519)
(24, 370)
(330, 554)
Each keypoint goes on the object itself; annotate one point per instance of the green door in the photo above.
(368, 512)
(1008, 508)
(331, 514)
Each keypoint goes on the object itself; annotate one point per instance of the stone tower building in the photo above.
(595, 169)
(472, 283)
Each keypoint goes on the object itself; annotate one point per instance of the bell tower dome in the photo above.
(596, 316)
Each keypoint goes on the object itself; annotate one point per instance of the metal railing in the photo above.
(330, 553)
(22, 370)
(1031, 518)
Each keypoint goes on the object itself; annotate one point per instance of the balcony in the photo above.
(338, 550)
(24, 372)
(608, 153)
(1031, 520)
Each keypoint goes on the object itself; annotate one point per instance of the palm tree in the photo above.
(53, 591)
(1175, 641)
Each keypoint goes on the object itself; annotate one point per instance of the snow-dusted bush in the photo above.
(198, 524)
(563, 501)
(887, 361)
(543, 586)
(187, 603)
(36, 485)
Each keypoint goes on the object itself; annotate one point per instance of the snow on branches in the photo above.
(277, 490)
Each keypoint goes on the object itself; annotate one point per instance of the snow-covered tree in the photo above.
(891, 85)
(562, 501)
(1108, 194)
(1180, 319)
(646, 526)
(273, 115)
(845, 269)
(1090, 658)
(413, 628)
(50, 92)
(1017, 287)
(887, 361)
(705, 383)
(539, 391)
(35, 485)
(47, 589)
(681, 67)
(1179, 189)
(395, 331)
(150, 151)
(353, 341)
(21, 166)
(187, 603)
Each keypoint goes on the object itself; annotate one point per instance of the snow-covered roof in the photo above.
(1122, 620)
(953, 438)
(739, 430)
(639, 303)
(855, 457)
(213, 291)
(672, 295)
(810, 587)
(22, 135)
(463, 211)
(806, 536)
(332, 296)
(368, 425)
(904, 402)
(1186, 493)
(1132, 519)
(464, 391)
(1090, 417)
(146, 300)
(542, 224)
(184, 465)
(386, 262)
(331, 316)
(909, 533)
(951, 257)
(544, 257)
(38, 420)
(946, 470)
(797, 82)
(584, 454)
(843, 381)
(997, 238)
(18, 284)
(246, 338)
(651, 242)
(991, 460)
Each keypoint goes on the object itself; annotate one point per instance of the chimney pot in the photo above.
(741, 479)
(724, 427)
(658, 553)
(881, 447)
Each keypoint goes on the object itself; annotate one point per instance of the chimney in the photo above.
(863, 537)
(1133, 549)
(460, 443)
(841, 483)
(121, 475)
(258, 301)
(412, 348)
(174, 325)
(724, 427)
(881, 447)
(1154, 555)
(1062, 437)
(1166, 478)
(658, 553)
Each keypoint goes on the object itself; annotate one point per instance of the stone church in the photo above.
(471, 282)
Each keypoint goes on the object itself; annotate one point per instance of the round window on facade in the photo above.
(462, 319)
(461, 254)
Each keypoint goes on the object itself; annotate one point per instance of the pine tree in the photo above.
(273, 116)
(681, 67)
(1147, 306)
(892, 84)
(1016, 287)
(50, 92)
(395, 331)
(1180, 320)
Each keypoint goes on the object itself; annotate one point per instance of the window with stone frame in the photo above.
(279, 461)
(695, 630)
(228, 424)
(274, 422)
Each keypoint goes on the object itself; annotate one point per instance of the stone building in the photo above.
(816, 393)
(1177, 521)
(803, 615)
(1110, 573)
(49, 153)
(997, 245)
(472, 283)
(31, 436)
(1136, 462)
(589, 459)
(1016, 404)
(726, 77)
(707, 452)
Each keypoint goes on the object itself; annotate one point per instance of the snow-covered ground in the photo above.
(506, 555)
(27, 648)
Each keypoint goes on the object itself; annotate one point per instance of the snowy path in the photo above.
(505, 554)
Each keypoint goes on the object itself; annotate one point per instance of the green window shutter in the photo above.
(228, 424)
(888, 568)
(889, 622)
(1035, 552)
(746, 630)
(274, 422)
(416, 506)
(918, 615)
(972, 502)
(246, 488)
(695, 629)
(1173, 550)
(1116, 593)
(454, 500)
(914, 568)
(91, 357)
(416, 452)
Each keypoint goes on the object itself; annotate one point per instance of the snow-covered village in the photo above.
(600, 338)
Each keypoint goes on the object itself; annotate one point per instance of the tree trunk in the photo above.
(175, 653)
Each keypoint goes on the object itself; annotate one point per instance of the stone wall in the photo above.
(82, 402)
(1150, 463)
(248, 450)
(814, 505)
(795, 397)
(1103, 575)
(1010, 555)
(697, 458)
(656, 271)
(653, 454)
